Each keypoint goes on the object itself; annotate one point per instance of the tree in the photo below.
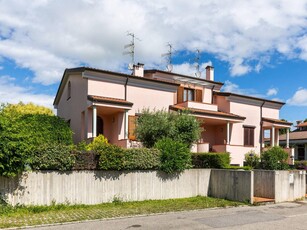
(23, 129)
(284, 130)
(156, 125)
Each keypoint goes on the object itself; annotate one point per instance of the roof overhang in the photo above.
(271, 122)
(109, 102)
(208, 114)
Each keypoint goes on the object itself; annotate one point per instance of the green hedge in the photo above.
(52, 157)
(112, 157)
(300, 165)
(142, 158)
(211, 160)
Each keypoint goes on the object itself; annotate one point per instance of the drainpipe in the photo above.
(126, 111)
(261, 127)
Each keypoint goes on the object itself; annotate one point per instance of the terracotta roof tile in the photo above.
(304, 124)
(109, 100)
(276, 121)
(296, 135)
(208, 112)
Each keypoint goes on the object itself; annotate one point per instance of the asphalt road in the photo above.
(275, 216)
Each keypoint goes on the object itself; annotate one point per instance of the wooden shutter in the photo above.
(131, 127)
(199, 95)
(245, 136)
(180, 94)
(251, 136)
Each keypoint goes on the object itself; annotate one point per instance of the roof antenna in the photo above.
(168, 57)
(131, 49)
(197, 65)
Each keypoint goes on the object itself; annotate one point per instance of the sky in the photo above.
(257, 47)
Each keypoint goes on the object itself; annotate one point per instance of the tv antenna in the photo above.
(197, 63)
(130, 50)
(168, 57)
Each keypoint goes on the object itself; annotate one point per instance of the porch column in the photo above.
(277, 137)
(273, 136)
(228, 133)
(94, 121)
(287, 140)
(126, 125)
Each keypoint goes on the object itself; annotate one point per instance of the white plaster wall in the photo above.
(72, 108)
(270, 113)
(106, 89)
(148, 98)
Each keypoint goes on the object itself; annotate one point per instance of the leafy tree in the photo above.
(284, 130)
(23, 129)
(305, 120)
(156, 125)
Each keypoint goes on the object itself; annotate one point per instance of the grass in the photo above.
(59, 213)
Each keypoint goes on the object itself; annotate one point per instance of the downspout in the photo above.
(126, 119)
(261, 126)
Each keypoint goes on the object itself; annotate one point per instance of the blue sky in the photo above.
(257, 47)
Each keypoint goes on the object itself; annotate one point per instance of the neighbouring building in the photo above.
(298, 140)
(95, 101)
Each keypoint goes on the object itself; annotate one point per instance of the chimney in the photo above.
(138, 70)
(210, 73)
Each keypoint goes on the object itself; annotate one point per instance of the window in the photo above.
(249, 136)
(187, 94)
(69, 90)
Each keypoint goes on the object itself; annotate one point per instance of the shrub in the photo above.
(274, 158)
(300, 165)
(142, 158)
(85, 160)
(99, 142)
(52, 157)
(111, 157)
(211, 160)
(156, 125)
(252, 159)
(175, 156)
(23, 128)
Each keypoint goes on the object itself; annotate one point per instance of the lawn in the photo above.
(59, 213)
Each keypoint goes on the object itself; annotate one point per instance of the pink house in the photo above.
(95, 101)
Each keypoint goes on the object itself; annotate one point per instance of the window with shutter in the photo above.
(131, 127)
(249, 136)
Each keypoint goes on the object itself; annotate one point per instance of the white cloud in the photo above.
(272, 92)
(1, 67)
(299, 98)
(49, 36)
(190, 69)
(10, 92)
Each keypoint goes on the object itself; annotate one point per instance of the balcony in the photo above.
(198, 105)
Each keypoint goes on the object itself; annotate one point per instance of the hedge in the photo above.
(211, 160)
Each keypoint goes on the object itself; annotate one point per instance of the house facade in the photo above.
(95, 101)
(298, 140)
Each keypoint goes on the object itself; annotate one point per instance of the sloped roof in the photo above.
(276, 121)
(304, 124)
(109, 100)
(207, 112)
(296, 135)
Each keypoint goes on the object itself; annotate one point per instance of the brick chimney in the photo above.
(138, 70)
(210, 73)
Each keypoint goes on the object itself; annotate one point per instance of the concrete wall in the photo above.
(232, 185)
(264, 181)
(280, 185)
(93, 187)
(289, 185)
